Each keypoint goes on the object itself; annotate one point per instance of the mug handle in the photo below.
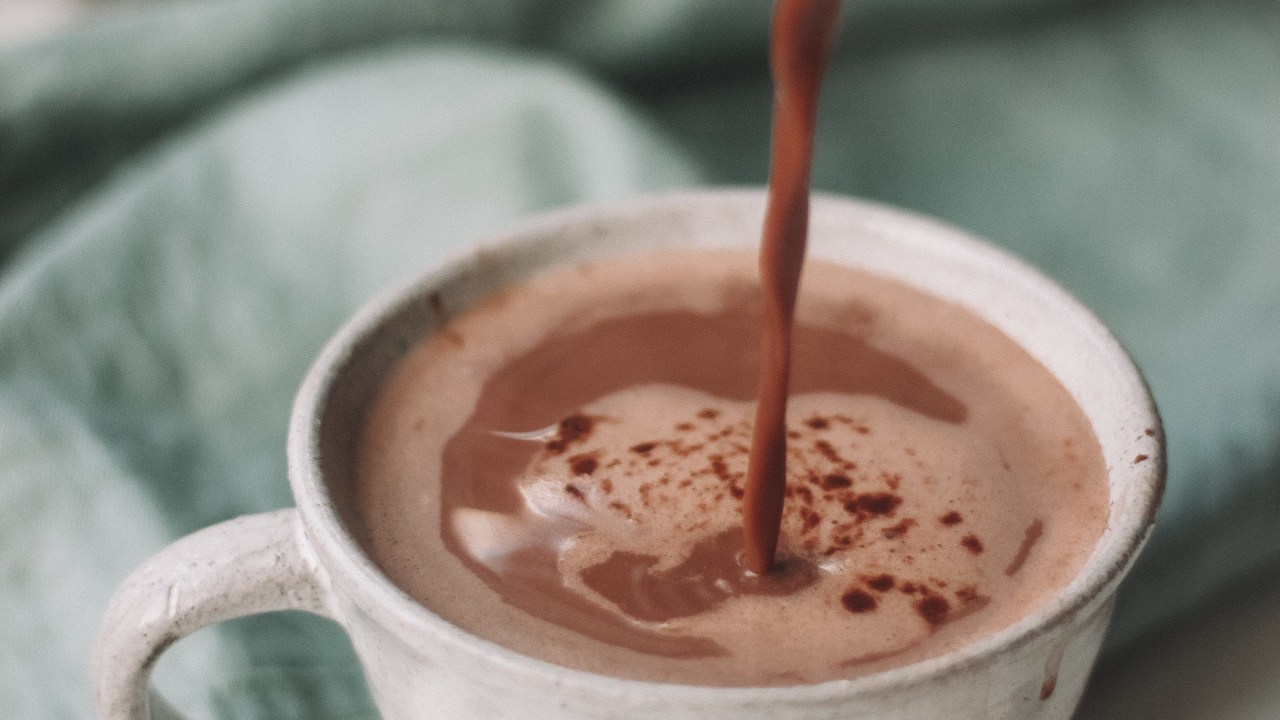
(247, 565)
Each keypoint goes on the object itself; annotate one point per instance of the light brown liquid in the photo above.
(561, 471)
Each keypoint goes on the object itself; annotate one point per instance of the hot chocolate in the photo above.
(561, 468)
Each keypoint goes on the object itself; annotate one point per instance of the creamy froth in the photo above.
(561, 471)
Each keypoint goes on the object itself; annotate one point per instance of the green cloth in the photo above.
(194, 195)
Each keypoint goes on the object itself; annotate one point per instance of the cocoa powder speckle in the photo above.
(858, 600)
(828, 451)
(881, 583)
(899, 530)
(972, 544)
(572, 429)
(835, 481)
(933, 608)
(583, 464)
(877, 503)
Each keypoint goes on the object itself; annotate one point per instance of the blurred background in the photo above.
(194, 194)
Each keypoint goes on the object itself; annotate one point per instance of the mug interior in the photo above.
(1059, 332)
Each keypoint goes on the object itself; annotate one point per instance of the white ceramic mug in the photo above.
(419, 666)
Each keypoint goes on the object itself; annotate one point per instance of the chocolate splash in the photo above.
(558, 377)
(710, 575)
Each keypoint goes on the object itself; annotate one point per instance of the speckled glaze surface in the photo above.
(419, 666)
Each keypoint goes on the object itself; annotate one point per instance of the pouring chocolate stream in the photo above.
(801, 40)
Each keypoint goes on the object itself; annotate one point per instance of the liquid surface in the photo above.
(560, 471)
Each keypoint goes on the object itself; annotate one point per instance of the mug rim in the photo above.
(378, 597)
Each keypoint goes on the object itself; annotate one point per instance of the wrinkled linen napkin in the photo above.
(194, 195)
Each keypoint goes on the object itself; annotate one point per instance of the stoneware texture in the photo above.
(418, 666)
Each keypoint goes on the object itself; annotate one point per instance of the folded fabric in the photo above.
(245, 173)
(151, 342)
